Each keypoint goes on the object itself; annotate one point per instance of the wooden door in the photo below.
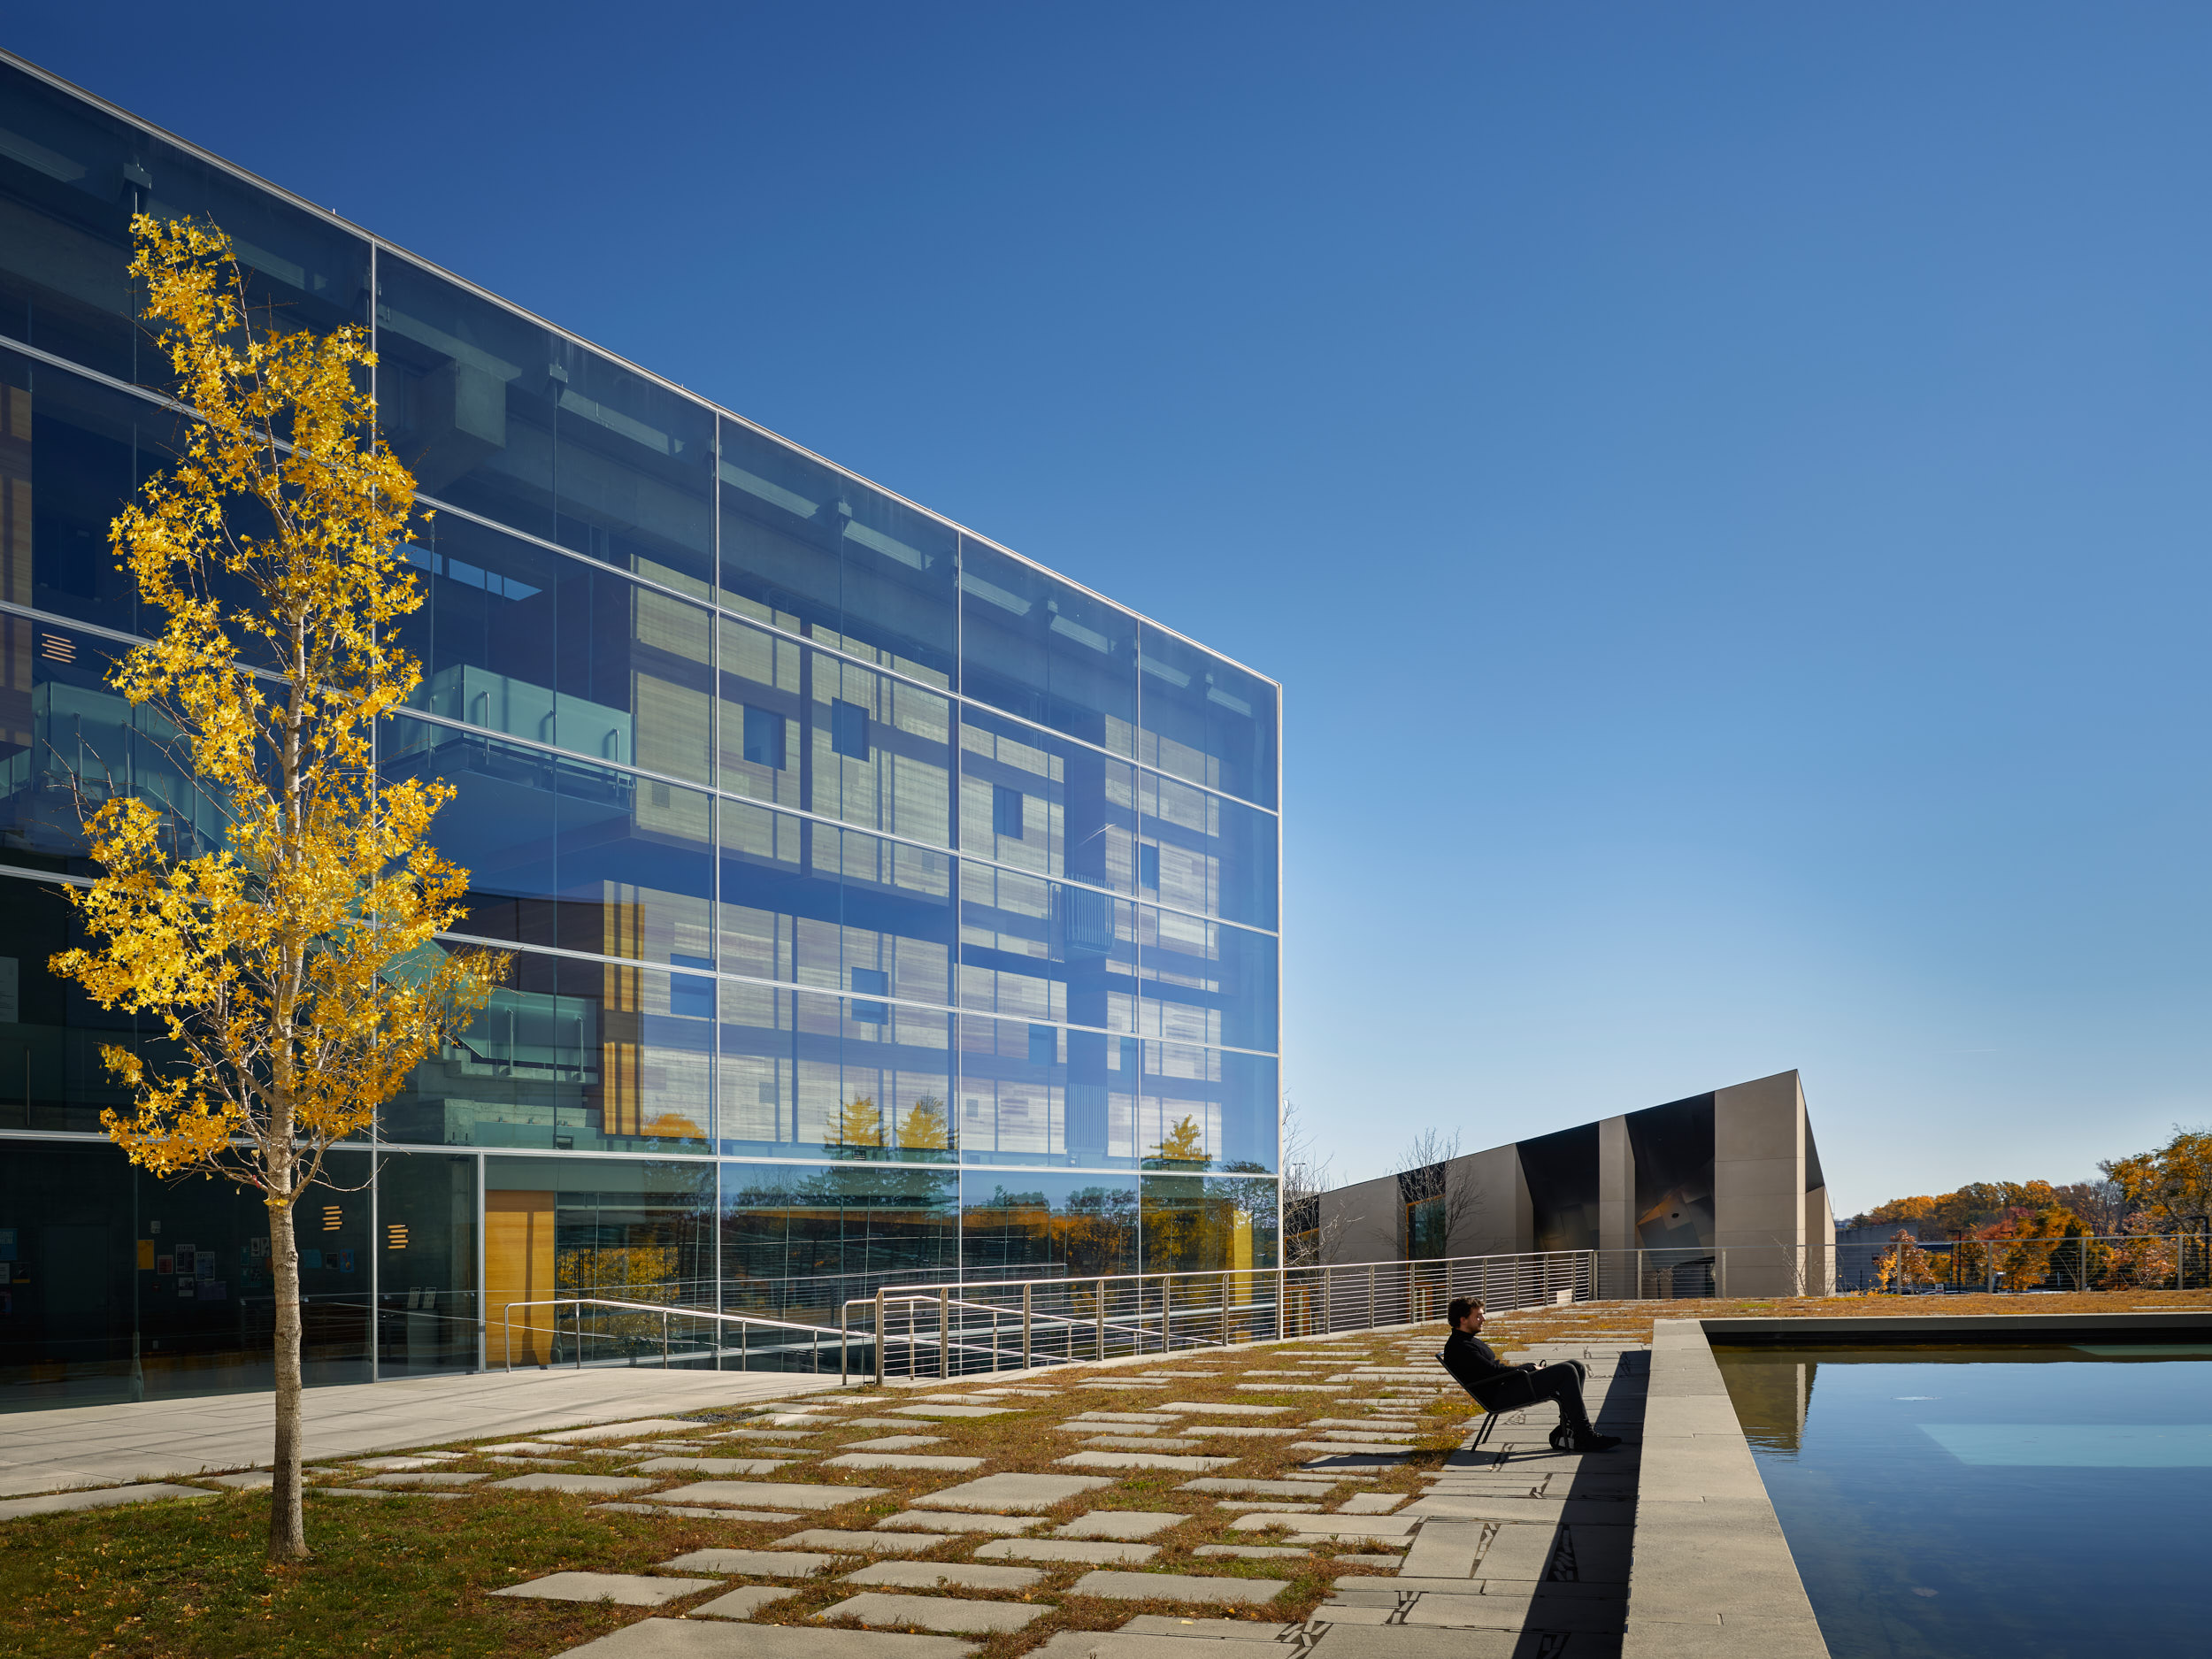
(518, 1267)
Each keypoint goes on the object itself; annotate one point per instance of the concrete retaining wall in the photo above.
(1712, 1574)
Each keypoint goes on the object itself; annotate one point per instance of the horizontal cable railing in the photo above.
(633, 1332)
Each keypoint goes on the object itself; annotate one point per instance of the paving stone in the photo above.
(1098, 1553)
(1446, 1549)
(1142, 1459)
(424, 1477)
(553, 1481)
(419, 1460)
(1361, 1422)
(1507, 1612)
(1128, 1416)
(1120, 1524)
(1088, 1426)
(245, 1480)
(1225, 1432)
(1222, 1410)
(861, 1543)
(953, 1411)
(931, 1575)
(534, 1463)
(1023, 1494)
(761, 1563)
(682, 1639)
(1254, 1488)
(711, 1465)
(1175, 1641)
(98, 1498)
(917, 1521)
(933, 1612)
(623, 1589)
(1257, 1552)
(741, 1602)
(694, 1511)
(875, 1423)
(1125, 1443)
(386, 1492)
(1329, 1525)
(902, 1460)
(895, 1443)
(768, 1495)
(765, 1434)
(1371, 1502)
(1291, 1389)
(1327, 1461)
(1174, 1587)
(523, 1446)
(1242, 1504)
(626, 1431)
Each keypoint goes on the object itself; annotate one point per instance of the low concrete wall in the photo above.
(1711, 1573)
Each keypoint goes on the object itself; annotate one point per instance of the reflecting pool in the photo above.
(1954, 1503)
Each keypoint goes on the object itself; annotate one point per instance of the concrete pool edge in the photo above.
(1710, 1572)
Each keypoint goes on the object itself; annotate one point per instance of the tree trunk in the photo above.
(287, 1526)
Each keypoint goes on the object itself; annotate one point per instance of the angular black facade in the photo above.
(884, 905)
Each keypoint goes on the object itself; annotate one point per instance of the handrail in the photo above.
(666, 1311)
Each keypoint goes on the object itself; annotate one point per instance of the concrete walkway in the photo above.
(90, 1445)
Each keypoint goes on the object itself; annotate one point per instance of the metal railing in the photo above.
(2103, 1261)
(684, 1338)
(958, 1330)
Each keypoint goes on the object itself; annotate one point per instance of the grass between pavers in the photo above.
(406, 1577)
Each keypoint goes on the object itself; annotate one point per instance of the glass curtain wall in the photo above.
(845, 859)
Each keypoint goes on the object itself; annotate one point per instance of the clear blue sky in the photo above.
(1724, 486)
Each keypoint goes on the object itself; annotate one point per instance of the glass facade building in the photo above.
(883, 906)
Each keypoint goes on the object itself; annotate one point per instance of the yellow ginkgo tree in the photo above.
(291, 972)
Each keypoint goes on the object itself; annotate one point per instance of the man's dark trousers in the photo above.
(1561, 1381)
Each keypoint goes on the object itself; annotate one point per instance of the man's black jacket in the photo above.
(1472, 1363)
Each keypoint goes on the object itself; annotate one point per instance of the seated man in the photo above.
(1496, 1387)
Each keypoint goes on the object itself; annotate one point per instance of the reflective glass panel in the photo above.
(515, 638)
(1032, 1093)
(1210, 1224)
(797, 1238)
(1035, 646)
(1018, 1223)
(63, 727)
(765, 708)
(569, 1054)
(70, 1323)
(71, 453)
(1207, 1109)
(877, 750)
(71, 176)
(467, 397)
(631, 1231)
(1205, 720)
(1204, 982)
(1045, 951)
(560, 852)
(1042, 804)
(862, 1080)
(806, 901)
(65, 204)
(207, 1324)
(1205, 852)
(633, 471)
(426, 1241)
(808, 549)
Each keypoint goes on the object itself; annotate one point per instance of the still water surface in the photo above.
(1953, 1503)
